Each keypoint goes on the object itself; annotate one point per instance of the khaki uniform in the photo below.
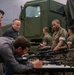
(58, 35)
(70, 40)
(47, 40)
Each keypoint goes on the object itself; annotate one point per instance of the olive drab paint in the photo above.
(38, 14)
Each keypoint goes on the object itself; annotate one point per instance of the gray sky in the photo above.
(61, 1)
(12, 9)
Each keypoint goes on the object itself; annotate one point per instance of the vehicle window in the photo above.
(33, 11)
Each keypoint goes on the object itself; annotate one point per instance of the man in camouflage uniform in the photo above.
(70, 41)
(47, 39)
(59, 39)
(59, 35)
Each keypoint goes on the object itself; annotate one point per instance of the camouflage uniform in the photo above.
(70, 40)
(58, 35)
(47, 40)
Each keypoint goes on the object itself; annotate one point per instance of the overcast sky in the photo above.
(12, 9)
(61, 1)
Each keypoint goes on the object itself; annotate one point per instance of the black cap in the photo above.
(2, 12)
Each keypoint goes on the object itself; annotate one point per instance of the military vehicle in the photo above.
(38, 14)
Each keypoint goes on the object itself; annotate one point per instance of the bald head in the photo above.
(16, 24)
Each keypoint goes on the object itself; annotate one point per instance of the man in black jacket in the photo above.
(14, 30)
(19, 46)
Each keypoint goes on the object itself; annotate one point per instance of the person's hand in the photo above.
(52, 47)
(42, 45)
(37, 64)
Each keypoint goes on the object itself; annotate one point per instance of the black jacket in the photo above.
(11, 32)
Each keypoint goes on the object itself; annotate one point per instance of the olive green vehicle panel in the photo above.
(32, 27)
(38, 14)
(4, 28)
(70, 12)
(49, 10)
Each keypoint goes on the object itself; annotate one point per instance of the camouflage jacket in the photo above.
(47, 40)
(58, 35)
(70, 40)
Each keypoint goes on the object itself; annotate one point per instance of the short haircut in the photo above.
(56, 21)
(2, 12)
(15, 20)
(46, 29)
(71, 28)
(21, 42)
